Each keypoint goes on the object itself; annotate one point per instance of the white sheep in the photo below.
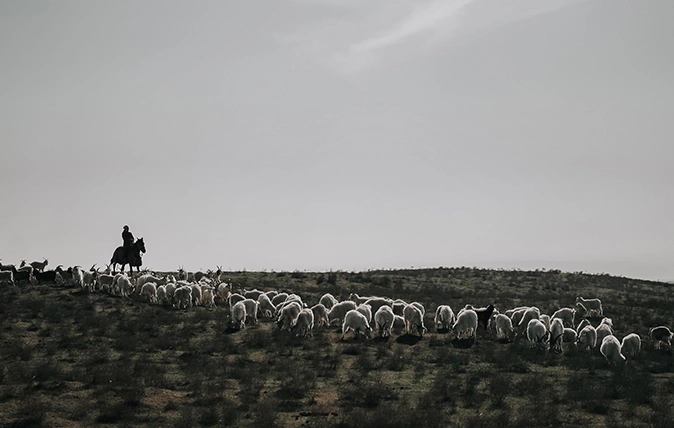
(444, 317)
(149, 290)
(631, 345)
(162, 297)
(288, 315)
(465, 326)
(537, 333)
(582, 324)
(78, 276)
(238, 313)
(327, 300)
(183, 297)
(252, 294)
(267, 308)
(567, 315)
(377, 302)
(338, 312)
(399, 307)
(605, 328)
(222, 291)
(89, 279)
(251, 308)
(354, 320)
(414, 320)
(659, 335)
(279, 298)
(234, 298)
(610, 348)
(504, 327)
(357, 299)
(105, 282)
(592, 306)
(545, 319)
(532, 313)
(556, 334)
(418, 306)
(305, 323)
(208, 296)
(383, 320)
(124, 286)
(587, 338)
(366, 310)
(320, 315)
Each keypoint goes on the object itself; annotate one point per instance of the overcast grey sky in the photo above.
(340, 134)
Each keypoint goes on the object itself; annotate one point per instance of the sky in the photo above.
(340, 134)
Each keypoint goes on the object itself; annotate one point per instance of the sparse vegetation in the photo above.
(71, 357)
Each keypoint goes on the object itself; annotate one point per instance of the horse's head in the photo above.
(140, 244)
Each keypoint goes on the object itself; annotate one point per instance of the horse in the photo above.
(134, 258)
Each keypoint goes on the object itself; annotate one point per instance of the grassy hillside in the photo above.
(72, 358)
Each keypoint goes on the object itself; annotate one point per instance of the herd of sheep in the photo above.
(362, 315)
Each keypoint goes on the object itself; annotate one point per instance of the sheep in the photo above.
(162, 297)
(271, 294)
(357, 299)
(377, 302)
(171, 289)
(279, 298)
(444, 317)
(21, 276)
(327, 300)
(504, 327)
(545, 319)
(510, 312)
(182, 274)
(356, 321)
(149, 278)
(65, 274)
(78, 276)
(532, 313)
(517, 315)
(414, 320)
(7, 267)
(587, 338)
(89, 279)
(399, 307)
(39, 266)
(569, 335)
(251, 308)
(537, 333)
(124, 286)
(366, 310)
(418, 306)
(234, 298)
(196, 294)
(198, 275)
(7, 277)
(567, 315)
(592, 306)
(465, 326)
(252, 294)
(288, 316)
(581, 325)
(105, 281)
(556, 335)
(659, 335)
(305, 323)
(610, 349)
(631, 345)
(383, 320)
(320, 315)
(149, 290)
(239, 315)
(267, 308)
(207, 296)
(183, 297)
(222, 292)
(24, 267)
(605, 328)
(338, 312)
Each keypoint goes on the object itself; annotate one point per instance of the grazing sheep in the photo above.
(288, 315)
(399, 307)
(556, 335)
(338, 312)
(570, 335)
(444, 317)
(251, 308)
(207, 296)
(383, 320)
(162, 297)
(592, 306)
(271, 294)
(567, 315)
(510, 312)
(328, 300)
(631, 345)
(366, 310)
(149, 290)
(418, 306)
(545, 319)
(238, 313)
(659, 335)
(354, 320)
(196, 294)
(124, 286)
(582, 324)
(504, 327)
(610, 349)
(320, 315)
(279, 298)
(465, 326)
(252, 294)
(532, 313)
(267, 308)
(305, 323)
(537, 333)
(234, 298)
(587, 338)
(377, 302)
(605, 328)
(357, 299)
(517, 315)
(183, 297)
(414, 320)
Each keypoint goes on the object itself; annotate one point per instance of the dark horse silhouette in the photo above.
(132, 260)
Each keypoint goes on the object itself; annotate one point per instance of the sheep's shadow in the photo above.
(408, 339)
(380, 339)
(463, 343)
(442, 330)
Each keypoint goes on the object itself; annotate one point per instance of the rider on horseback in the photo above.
(127, 237)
